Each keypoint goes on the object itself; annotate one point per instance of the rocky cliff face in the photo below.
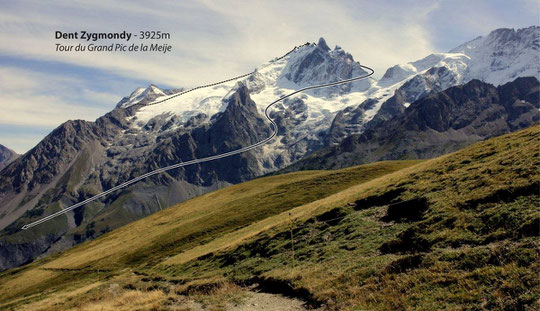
(437, 124)
(320, 64)
(239, 125)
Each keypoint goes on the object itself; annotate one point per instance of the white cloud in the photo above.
(265, 29)
(39, 110)
(227, 38)
(217, 39)
(37, 99)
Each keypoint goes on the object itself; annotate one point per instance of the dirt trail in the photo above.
(257, 301)
(269, 302)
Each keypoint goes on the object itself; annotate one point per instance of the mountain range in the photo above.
(443, 102)
(436, 124)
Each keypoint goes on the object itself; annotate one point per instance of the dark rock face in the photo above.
(323, 65)
(389, 109)
(437, 124)
(236, 127)
(6, 156)
(80, 159)
(50, 157)
(55, 152)
(14, 255)
(350, 121)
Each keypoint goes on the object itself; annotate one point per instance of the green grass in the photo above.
(474, 246)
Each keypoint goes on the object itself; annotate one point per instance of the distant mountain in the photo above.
(143, 96)
(6, 156)
(437, 124)
(80, 159)
(500, 57)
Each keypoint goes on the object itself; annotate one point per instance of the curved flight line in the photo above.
(201, 160)
(224, 81)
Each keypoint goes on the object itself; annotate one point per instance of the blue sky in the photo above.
(212, 40)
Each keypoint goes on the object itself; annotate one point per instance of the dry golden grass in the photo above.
(13, 285)
(55, 300)
(129, 300)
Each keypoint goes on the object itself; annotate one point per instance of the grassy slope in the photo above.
(474, 247)
(180, 228)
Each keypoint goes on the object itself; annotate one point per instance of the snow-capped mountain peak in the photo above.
(141, 96)
(503, 55)
(317, 64)
(507, 39)
(498, 58)
(306, 65)
(322, 44)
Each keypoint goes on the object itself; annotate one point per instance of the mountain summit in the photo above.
(503, 55)
(318, 64)
(141, 96)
